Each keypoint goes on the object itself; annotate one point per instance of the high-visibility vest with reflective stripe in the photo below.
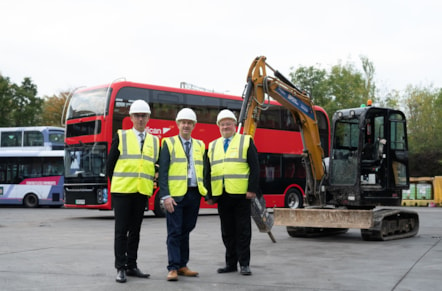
(135, 169)
(231, 166)
(178, 165)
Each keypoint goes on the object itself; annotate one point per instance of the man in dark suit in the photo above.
(232, 177)
(181, 184)
(131, 169)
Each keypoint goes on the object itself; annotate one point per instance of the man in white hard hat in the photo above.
(181, 184)
(131, 169)
(233, 172)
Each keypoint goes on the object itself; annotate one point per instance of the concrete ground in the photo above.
(72, 249)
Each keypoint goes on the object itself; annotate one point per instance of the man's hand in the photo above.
(169, 204)
(250, 195)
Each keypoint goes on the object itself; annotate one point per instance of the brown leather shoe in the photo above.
(184, 271)
(172, 276)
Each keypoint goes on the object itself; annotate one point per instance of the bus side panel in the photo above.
(49, 191)
(8, 195)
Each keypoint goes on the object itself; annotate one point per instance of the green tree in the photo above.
(370, 86)
(342, 87)
(422, 118)
(52, 109)
(347, 85)
(20, 104)
(27, 106)
(314, 81)
(424, 127)
(392, 100)
(5, 101)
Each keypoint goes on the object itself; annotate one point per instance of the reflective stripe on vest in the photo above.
(177, 175)
(231, 166)
(135, 170)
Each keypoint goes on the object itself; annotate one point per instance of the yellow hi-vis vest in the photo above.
(178, 165)
(230, 167)
(135, 169)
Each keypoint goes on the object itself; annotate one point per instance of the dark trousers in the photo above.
(129, 213)
(236, 228)
(179, 225)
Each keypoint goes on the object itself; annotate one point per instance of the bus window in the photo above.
(11, 139)
(85, 128)
(56, 137)
(206, 113)
(288, 123)
(87, 103)
(33, 138)
(271, 118)
(163, 110)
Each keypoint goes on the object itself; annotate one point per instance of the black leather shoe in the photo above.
(228, 269)
(135, 272)
(121, 276)
(245, 270)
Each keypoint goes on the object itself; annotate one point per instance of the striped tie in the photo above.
(187, 144)
(141, 141)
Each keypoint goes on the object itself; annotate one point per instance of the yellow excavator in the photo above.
(367, 168)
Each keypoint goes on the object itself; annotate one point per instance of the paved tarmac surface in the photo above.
(72, 249)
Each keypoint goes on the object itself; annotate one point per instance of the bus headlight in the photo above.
(102, 196)
(105, 195)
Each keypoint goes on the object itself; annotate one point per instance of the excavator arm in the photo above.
(260, 85)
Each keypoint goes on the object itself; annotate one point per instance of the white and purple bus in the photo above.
(32, 138)
(32, 178)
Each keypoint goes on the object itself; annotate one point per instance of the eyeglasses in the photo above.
(227, 123)
(139, 115)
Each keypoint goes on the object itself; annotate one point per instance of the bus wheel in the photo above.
(159, 209)
(294, 199)
(30, 200)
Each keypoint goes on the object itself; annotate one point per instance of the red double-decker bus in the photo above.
(93, 116)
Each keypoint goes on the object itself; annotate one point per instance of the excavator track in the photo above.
(375, 225)
(390, 224)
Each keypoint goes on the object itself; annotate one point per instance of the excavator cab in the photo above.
(369, 158)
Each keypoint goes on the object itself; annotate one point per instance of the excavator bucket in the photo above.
(262, 218)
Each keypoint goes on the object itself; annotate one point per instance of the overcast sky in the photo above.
(63, 44)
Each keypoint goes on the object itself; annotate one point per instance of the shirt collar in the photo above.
(184, 140)
(230, 138)
(137, 133)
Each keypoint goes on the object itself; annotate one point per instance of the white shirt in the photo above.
(191, 171)
(137, 133)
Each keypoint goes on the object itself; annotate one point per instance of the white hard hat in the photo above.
(186, 114)
(225, 113)
(139, 106)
